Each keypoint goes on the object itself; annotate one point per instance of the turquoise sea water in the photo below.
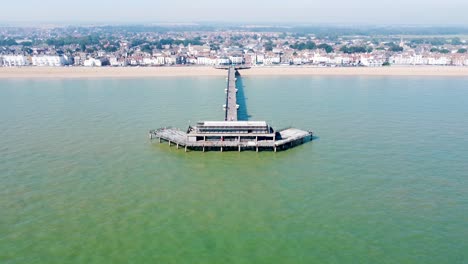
(385, 182)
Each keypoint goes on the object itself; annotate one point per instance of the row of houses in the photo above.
(21, 60)
(420, 59)
(316, 58)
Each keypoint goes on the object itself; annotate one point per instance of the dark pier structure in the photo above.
(232, 134)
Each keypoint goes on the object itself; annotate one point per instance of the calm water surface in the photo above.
(385, 182)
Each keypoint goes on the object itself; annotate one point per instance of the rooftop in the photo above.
(233, 123)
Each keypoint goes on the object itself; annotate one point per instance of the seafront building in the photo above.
(14, 61)
(49, 61)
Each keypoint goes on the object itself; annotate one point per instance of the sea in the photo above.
(385, 179)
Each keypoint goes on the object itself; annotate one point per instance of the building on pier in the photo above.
(240, 131)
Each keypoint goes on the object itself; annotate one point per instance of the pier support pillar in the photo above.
(169, 143)
(203, 148)
(239, 148)
(221, 149)
(159, 139)
(177, 145)
(275, 149)
(150, 136)
(256, 149)
(185, 148)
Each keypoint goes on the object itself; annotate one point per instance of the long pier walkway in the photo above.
(231, 96)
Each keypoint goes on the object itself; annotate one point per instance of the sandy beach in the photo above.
(147, 72)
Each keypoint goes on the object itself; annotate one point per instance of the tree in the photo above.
(462, 51)
(310, 45)
(146, 48)
(214, 47)
(27, 50)
(8, 42)
(269, 46)
(137, 42)
(111, 48)
(326, 47)
(396, 48)
(437, 41)
(456, 41)
(356, 49)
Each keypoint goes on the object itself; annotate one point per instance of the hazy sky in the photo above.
(446, 12)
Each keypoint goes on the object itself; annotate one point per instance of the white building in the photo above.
(113, 61)
(259, 59)
(405, 59)
(319, 58)
(341, 60)
(91, 62)
(222, 61)
(205, 61)
(272, 60)
(298, 61)
(170, 60)
(14, 60)
(51, 61)
(236, 59)
(371, 61)
(77, 61)
(161, 60)
(439, 60)
(150, 61)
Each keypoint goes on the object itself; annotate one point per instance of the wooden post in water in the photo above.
(169, 143)
(185, 148)
(159, 139)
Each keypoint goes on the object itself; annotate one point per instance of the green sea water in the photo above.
(386, 180)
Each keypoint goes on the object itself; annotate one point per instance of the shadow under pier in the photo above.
(242, 113)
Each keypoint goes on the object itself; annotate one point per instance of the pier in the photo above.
(231, 106)
(231, 134)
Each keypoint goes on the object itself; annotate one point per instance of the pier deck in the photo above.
(283, 140)
(231, 96)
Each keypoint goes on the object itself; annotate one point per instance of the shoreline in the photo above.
(197, 71)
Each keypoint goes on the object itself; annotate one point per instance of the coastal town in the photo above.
(100, 46)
